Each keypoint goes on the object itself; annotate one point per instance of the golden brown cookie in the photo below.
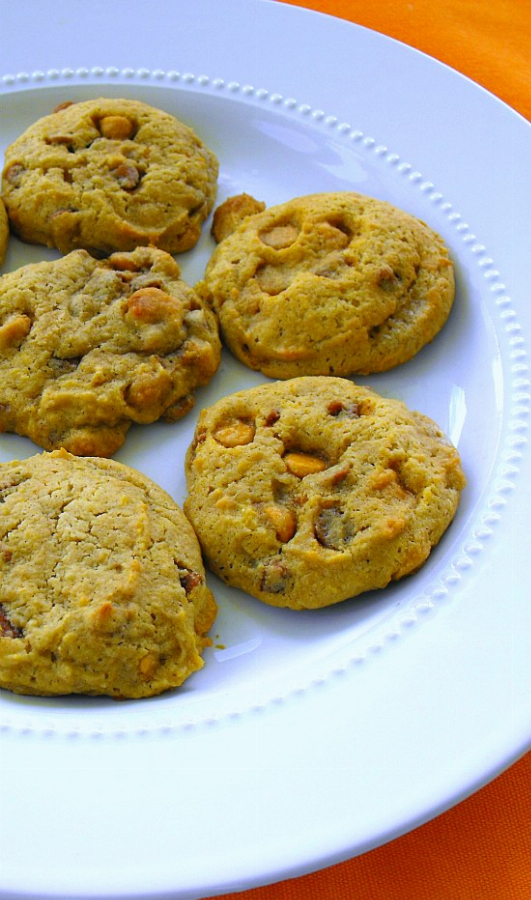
(4, 232)
(309, 491)
(329, 284)
(87, 347)
(102, 586)
(232, 212)
(108, 175)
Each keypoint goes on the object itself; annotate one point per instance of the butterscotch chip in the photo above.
(284, 521)
(107, 175)
(87, 347)
(340, 491)
(102, 585)
(303, 464)
(235, 434)
(117, 128)
(4, 232)
(329, 284)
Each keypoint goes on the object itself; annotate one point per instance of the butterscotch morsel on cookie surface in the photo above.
(87, 347)
(329, 284)
(107, 175)
(309, 491)
(102, 585)
(4, 232)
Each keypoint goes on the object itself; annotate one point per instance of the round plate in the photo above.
(308, 737)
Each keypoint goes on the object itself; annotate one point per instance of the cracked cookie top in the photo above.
(107, 175)
(327, 284)
(309, 491)
(87, 347)
(102, 586)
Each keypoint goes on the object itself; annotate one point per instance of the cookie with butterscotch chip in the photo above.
(4, 232)
(87, 347)
(232, 212)
(102, 585)
(329, 284)
(309, 491)
(109, 174)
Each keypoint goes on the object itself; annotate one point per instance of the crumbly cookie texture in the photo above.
(329, 284)
(102, 585)
(309, 491)
(4, 232)
(107, 175)
(87, 347)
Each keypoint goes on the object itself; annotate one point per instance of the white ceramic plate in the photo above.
(310, 737)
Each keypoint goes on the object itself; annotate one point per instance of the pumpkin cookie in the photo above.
(108, 175)
(89, 346)
(328, 284)
(4, 232)
(232, 212)
(102, 586)
(309, 491)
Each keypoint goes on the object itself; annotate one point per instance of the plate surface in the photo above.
(308, 737)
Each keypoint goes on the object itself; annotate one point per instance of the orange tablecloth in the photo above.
(481, 849)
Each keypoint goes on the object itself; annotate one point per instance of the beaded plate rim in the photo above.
(512, 447)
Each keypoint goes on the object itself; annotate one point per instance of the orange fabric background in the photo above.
(487, 40)
(481, 849)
